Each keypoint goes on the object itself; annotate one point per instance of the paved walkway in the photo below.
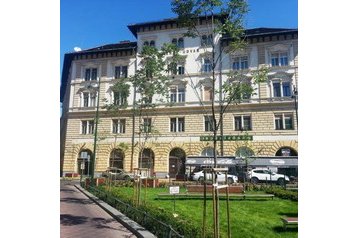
(82, 218)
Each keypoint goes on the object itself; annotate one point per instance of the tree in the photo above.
(151, 82)
(225, 22)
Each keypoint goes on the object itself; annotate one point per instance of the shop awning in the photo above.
(272, 161)
(207, 161)
(255, 161)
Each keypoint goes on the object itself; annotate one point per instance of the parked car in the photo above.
(199, 176)
(117, 174)
(263, 175)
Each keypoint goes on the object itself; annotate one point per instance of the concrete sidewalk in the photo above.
(82, 218)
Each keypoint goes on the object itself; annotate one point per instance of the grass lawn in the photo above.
(248, 218)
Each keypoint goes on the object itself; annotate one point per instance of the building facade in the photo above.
(268, 117)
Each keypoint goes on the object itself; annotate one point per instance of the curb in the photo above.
(131, 225)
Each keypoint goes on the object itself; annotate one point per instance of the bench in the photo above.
(289, 221)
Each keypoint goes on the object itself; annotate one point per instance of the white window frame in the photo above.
(92, 100)
(121, 100)
(88, 128)
(281, 82)
(177, 127)
(279, 57)
(118, 126)
(242, 122)
(91, 73)
(178, 93)
(207, 66)
(121, 74)
(283, 116)
(210, 125)
(239, 60)
(145, 124)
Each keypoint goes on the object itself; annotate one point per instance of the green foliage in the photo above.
(228, 19)
(180, 224)
(150, 79)
(281, 192)
(249, 218)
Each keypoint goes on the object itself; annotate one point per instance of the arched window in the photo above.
(208, 151)
(116, 158)
(146, 160)
(244, 152)
(286, 151)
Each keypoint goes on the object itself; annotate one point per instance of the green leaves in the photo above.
(151, 79)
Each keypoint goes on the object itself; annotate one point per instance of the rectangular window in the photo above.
(208, 96)
(90, 74)
(276, 89)
(177, 124)
(208, 123)
(180, 70)
(279, 59)
(288, 122)
(94, 74)
(283, 122)
(85, 99)
(274, 59)
(177, 94)
(240, 63)
(207, 66)
(281, 89)
(119, 126)
(120, 72)
(278, 122)
(173, 95)
(118, 99)
(178, 42)
(93, 99)
(147, 125)
(283, 59)
(90, 127)
(89, 99)
(181, 94)
(176, 69)
(242, 123)
(87, 127)
(286, 89)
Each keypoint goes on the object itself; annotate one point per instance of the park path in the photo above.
(82, 218)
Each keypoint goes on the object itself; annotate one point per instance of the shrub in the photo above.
(281, 193)
(148, 216)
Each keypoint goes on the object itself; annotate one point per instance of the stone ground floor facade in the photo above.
(162, 158)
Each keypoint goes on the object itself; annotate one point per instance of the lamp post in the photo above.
(95, 131)
(294, 96)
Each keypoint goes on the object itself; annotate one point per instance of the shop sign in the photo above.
(210, 161)
(277, 161)
(226, 138)
(174, 189)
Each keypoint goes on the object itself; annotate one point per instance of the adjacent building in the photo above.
(268, 118)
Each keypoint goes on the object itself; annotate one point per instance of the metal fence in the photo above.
(157, 227)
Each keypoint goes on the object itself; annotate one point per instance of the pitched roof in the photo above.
(123, 45)
(134, 27)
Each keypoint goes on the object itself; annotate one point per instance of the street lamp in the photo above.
(95, 131)
(294, 96)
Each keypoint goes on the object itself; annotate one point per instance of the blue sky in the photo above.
(90, 23)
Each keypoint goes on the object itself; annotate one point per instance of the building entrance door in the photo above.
(177, 163)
